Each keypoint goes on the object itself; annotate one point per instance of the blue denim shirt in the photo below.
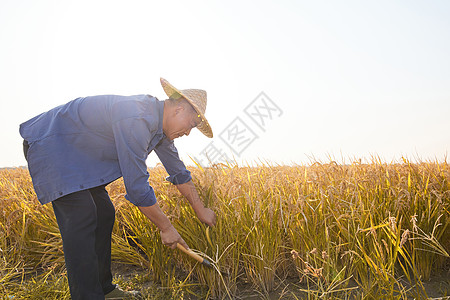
(95, 140)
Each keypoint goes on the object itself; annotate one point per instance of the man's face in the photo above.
(181, 121)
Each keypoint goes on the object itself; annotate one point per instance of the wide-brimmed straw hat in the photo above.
(197, 98)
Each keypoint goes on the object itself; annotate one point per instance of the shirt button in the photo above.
(102, 180)
(60, 193)
(81, 186)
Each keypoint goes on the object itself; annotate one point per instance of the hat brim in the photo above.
(170, 91)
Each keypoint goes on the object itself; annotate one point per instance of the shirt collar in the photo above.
(161, 114)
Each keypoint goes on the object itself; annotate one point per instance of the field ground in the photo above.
(323, 231)
(138, 278)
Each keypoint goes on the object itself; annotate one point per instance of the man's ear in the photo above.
(179, 109)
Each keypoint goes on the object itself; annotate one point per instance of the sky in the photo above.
(288, 82)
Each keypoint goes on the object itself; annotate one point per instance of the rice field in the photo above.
(322, 231)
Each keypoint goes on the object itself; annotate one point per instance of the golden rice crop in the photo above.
(330, 230)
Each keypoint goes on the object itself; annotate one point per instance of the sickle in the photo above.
(195, 256)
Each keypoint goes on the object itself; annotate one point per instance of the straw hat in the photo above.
(197, 98)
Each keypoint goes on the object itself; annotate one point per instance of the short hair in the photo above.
(179, 100)
(175, 101)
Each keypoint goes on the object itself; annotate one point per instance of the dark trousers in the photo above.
(85, 220)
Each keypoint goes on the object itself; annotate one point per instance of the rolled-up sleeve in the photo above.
(132, 137)
(168, 155)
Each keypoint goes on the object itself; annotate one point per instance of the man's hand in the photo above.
(170, 237)
(207, 216)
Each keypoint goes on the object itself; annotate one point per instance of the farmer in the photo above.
(76, 149)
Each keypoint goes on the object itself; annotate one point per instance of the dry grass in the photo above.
(362, 230)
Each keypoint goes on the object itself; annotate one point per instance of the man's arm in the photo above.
(204, 214)
(169, 235)
(181, 178)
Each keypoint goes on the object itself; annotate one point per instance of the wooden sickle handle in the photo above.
(195, 256)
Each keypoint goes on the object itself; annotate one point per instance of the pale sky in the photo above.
(350, 79)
